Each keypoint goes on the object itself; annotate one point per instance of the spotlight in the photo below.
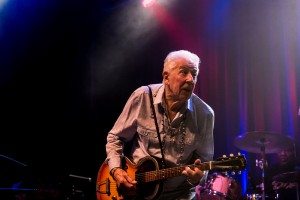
(148, 3)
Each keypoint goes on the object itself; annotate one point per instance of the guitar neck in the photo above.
(168, 172)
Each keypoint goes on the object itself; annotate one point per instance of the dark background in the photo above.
(68, 67)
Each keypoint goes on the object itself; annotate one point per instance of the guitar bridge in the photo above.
(106, 185)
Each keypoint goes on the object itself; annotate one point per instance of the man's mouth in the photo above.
(187, 89)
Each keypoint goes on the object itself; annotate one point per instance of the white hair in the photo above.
(169, 63)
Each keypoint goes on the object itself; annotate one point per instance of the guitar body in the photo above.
(107, 188)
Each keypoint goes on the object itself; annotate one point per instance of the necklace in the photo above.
(176, 136)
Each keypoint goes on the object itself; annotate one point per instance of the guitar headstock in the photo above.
(231, 163)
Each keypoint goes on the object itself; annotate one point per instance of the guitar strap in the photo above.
(156, 124)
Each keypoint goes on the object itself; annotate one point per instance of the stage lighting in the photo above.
(148, 3)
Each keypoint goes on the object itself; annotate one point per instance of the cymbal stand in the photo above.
(295, 166)
(262, 165)
(295, 154)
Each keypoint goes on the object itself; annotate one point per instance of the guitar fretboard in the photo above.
(167, 173)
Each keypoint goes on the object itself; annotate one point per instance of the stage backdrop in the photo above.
(67, 69)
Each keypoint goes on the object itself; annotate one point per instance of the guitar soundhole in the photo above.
(145, 188)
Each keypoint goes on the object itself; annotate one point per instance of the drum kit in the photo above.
(223, 187)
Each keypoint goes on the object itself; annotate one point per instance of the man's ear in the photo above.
(166, 78)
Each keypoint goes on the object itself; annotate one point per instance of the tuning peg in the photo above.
(224, 156)
(239, 172)
(232, 173)
(226, 173)
(231, 155)
(239, 153)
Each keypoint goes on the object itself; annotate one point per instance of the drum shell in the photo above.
(219, 187)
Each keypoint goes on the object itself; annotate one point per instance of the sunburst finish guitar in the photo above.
(150, 177)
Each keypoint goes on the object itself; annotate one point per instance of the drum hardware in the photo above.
(18, 189)
(89, 179)
(79, 187)
(259, 163)
(266, 142)
(255, 196)
(262, 143)
(220, 187)
(262, 164)
(13, 160)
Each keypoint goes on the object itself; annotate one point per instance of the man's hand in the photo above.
(124, 181)
(193, 175)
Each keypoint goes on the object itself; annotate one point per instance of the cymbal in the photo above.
(267, 142)
(288, 177)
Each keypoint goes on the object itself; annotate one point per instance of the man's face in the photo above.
(285, 156)
(181, 80)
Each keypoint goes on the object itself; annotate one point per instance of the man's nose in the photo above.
(189, 78)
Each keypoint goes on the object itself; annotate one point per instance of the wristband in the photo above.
(113, 170)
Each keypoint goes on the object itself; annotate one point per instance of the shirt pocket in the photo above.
(148, 137)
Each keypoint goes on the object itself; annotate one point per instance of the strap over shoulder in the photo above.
(156, 124)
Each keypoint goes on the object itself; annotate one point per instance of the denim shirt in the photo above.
(137, 122)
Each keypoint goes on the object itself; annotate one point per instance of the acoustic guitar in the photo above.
(150, 177)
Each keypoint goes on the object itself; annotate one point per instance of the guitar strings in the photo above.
(160, 174)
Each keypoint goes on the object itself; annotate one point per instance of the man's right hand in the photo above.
(125, 182)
